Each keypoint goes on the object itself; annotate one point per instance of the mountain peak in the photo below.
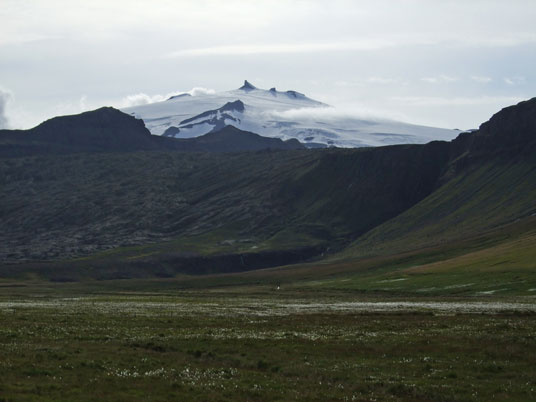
(263, 110)
(237, 106)
(247, 86)
(295, 94)
(513, 126)
(178, 96)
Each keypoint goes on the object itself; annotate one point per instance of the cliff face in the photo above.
(514, 126)
(510, 132)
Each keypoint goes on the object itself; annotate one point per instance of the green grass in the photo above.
(501, 262)
(213, 346)
(498, 263)
(476, 201)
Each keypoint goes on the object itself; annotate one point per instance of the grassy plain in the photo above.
(454, 322)
(263, 344)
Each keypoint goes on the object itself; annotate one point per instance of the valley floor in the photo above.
(264, 344)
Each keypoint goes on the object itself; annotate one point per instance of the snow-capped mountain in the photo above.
(279, 114)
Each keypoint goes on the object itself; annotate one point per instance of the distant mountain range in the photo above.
(278, 114)
(130, 212)
(110, 130)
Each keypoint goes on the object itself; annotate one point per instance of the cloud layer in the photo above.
(337, 113)
(5, 98)
(144, 99)
(371, 53)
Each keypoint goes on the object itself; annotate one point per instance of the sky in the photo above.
(444, 63)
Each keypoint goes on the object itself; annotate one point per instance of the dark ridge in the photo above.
(512, 128)
(295, 94)
(171, 131)
(235, 106)
(247, 86)
(232, 139)
(178, 96)
(104, 129)
(293, 142)
(509, 133)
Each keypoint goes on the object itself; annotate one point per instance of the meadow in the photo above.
(263, 344)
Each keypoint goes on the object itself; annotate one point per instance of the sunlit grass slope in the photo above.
(476, 201)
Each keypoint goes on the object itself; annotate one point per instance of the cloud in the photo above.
(83, 103)
(481, 79)
(514, 80)
(5, 98)
(439, 79)
(507, 40)
(377, 42)
(201, 91)
(430, 80)
(144, 99)
(446, 78)
(22, 38)
(278, 48)
(140, 99)
(347, 84)
(381, 80)
(332, 113)
(456, 101)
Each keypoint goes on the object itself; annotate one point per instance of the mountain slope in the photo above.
(489, 181)
(279, 114)
(477, 200)
(164, 212)
(56, 206)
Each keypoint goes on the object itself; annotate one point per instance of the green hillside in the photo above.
(476, 201)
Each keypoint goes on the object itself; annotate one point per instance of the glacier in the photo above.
(277, 114)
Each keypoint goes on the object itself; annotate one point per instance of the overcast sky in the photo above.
(445, 63)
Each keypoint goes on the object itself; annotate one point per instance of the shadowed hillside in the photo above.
(147, 213)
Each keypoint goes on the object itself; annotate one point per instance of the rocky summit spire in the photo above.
(247, 86)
